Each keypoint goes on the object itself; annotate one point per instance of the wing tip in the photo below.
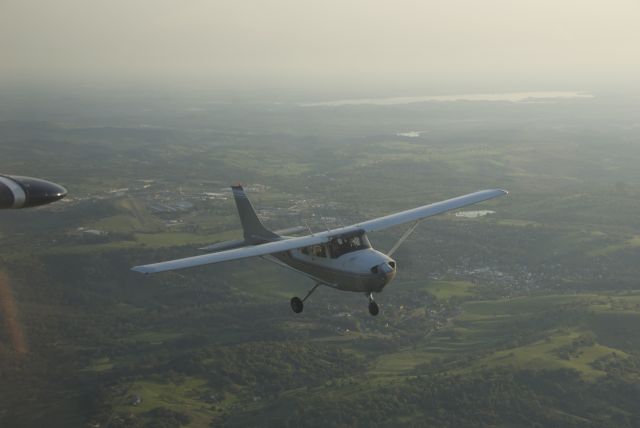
(141, 269)
(498, 192)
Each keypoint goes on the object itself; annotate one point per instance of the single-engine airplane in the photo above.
(24, 192)
(340, 258)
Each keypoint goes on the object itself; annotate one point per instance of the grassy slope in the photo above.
(482, 326)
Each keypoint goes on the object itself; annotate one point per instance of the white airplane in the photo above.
(340, 258)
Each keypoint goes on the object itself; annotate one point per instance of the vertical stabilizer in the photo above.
(251, 224)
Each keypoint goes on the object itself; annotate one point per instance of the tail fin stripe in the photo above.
(252, 227)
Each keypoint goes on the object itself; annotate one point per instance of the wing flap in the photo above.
(226, 245)
(291, 230)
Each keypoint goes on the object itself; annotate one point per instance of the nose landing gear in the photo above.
(373, 306)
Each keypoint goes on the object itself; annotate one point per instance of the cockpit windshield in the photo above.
(338, 246)
(346, 244)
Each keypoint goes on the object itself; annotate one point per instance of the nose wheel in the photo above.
(373, 306)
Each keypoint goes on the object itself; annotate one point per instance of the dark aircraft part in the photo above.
(252, 227)
(296, 305)
(23, 192)
(6, 196)
(373, 308)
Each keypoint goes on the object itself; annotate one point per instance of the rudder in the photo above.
(251, 225)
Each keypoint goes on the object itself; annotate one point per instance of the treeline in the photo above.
(523, 398)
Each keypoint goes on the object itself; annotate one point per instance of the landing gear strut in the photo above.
(373, 306)
(297, 304)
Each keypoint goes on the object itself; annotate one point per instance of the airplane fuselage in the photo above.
(364, 270)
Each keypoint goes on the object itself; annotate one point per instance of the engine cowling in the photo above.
(24, 192)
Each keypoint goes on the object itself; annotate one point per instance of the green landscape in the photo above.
(528, 316)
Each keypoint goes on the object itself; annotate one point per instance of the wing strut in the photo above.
(403, 238)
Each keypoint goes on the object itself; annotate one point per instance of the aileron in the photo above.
(430, 210)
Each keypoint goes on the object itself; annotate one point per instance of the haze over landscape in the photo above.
(351, 45)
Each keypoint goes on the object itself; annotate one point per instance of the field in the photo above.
(499, 320)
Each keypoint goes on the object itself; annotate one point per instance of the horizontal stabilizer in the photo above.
(237, 243)
(291, 230)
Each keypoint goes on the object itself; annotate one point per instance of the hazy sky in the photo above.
(301, 42)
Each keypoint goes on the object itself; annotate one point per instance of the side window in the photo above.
(334, 247)
(342, 245)
(319, 251)
(305, 251)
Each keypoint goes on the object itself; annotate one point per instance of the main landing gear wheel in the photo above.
(296, 305)
(373, 308)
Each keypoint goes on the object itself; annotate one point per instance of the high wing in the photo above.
(235, 254)
(429, 210)
(319, 238)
